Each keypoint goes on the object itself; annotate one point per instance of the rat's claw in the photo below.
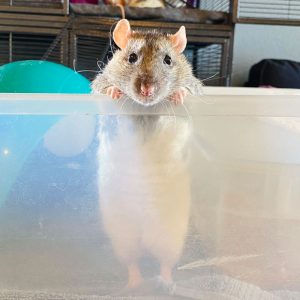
(178, 96)
(114, 92)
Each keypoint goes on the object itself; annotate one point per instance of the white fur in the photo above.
(144, 186)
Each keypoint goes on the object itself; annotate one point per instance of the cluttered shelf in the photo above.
(81, 37)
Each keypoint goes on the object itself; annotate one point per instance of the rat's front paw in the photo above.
(178, 96)
(114, 92)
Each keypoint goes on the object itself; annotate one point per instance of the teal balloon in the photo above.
(35, 76)
(19, 135)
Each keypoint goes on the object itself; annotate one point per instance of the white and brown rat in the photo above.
(143, 180)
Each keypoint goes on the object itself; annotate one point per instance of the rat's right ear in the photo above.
(179, 40)
(122, 33)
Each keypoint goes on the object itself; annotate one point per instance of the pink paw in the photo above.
(114, 92)
(178, 96)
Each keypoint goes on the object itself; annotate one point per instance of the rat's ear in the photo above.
(179, 39)
(122, 33)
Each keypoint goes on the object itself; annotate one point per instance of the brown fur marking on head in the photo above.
(153, 41)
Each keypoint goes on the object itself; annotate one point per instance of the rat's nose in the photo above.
(147, 89)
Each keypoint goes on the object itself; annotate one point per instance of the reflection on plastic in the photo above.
(77, 130)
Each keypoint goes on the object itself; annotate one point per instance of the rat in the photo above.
(143, 177)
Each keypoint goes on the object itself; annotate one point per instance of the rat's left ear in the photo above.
(122, 33)
(179, 40)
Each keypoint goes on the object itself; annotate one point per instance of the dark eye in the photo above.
(167, 60)
(132, 58)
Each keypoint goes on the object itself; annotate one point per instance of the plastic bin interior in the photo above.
(89, 186)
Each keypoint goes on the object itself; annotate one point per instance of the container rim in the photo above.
(215, 101)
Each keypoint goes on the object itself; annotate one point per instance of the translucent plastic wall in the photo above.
(208, 194)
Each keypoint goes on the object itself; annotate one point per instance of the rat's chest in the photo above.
(141, 150)
(147, 140)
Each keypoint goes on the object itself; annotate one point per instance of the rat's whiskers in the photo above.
(125, 100)
(174, 115)
(80, 71)
(166, 107)
(187, 112)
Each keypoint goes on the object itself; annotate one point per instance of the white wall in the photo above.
(255, 42)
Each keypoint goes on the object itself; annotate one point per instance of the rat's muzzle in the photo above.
(147, 89)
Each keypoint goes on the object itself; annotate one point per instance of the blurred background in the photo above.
(225, 37)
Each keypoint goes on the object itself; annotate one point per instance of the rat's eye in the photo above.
(167, 60)
(132, 58)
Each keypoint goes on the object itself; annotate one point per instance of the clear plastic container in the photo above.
(90, 187)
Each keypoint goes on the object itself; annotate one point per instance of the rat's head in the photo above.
(151, 62)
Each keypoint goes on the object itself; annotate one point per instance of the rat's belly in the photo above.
(144, 183)
(142, 158)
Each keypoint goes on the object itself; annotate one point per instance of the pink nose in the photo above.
(147, 89)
